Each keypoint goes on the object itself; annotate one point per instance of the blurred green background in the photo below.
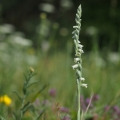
(100, 17)
(37, 34)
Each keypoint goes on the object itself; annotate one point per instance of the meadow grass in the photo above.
(55, 94)
(56, 71)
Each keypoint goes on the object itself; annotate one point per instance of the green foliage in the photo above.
(53, 66)
(1, 118)
(25, 104)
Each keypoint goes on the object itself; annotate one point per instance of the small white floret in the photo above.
(75, 26)
(80, 50)
(84, 85)
(76, 60)
(75, 66)
(80, 46)
(82, 79)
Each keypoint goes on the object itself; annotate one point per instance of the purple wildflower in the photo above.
(64, 110)
(106, 108)
(95, 97)
(116, 109)
(46, 102)
(87, 101)
(36, 102)
(66, 117)
(52, 92)
(82, 102)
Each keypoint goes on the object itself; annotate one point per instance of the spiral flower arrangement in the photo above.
(78, 61)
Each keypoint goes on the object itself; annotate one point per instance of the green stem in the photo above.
(78, 92)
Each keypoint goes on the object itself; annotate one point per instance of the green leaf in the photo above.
(15, 116)
(25, 106)
(40, 114)
(17, 95)
(29, 85)
(37, 94)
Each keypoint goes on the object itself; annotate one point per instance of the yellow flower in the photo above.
(5, 99)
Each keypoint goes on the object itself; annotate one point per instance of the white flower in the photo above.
(76, 60)
(75, 66)
(80, 46)
(84, 85)
(20, 41)
(82, 79)
(6, 28)
(80, 50)
(47, 7)
(76, 27)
